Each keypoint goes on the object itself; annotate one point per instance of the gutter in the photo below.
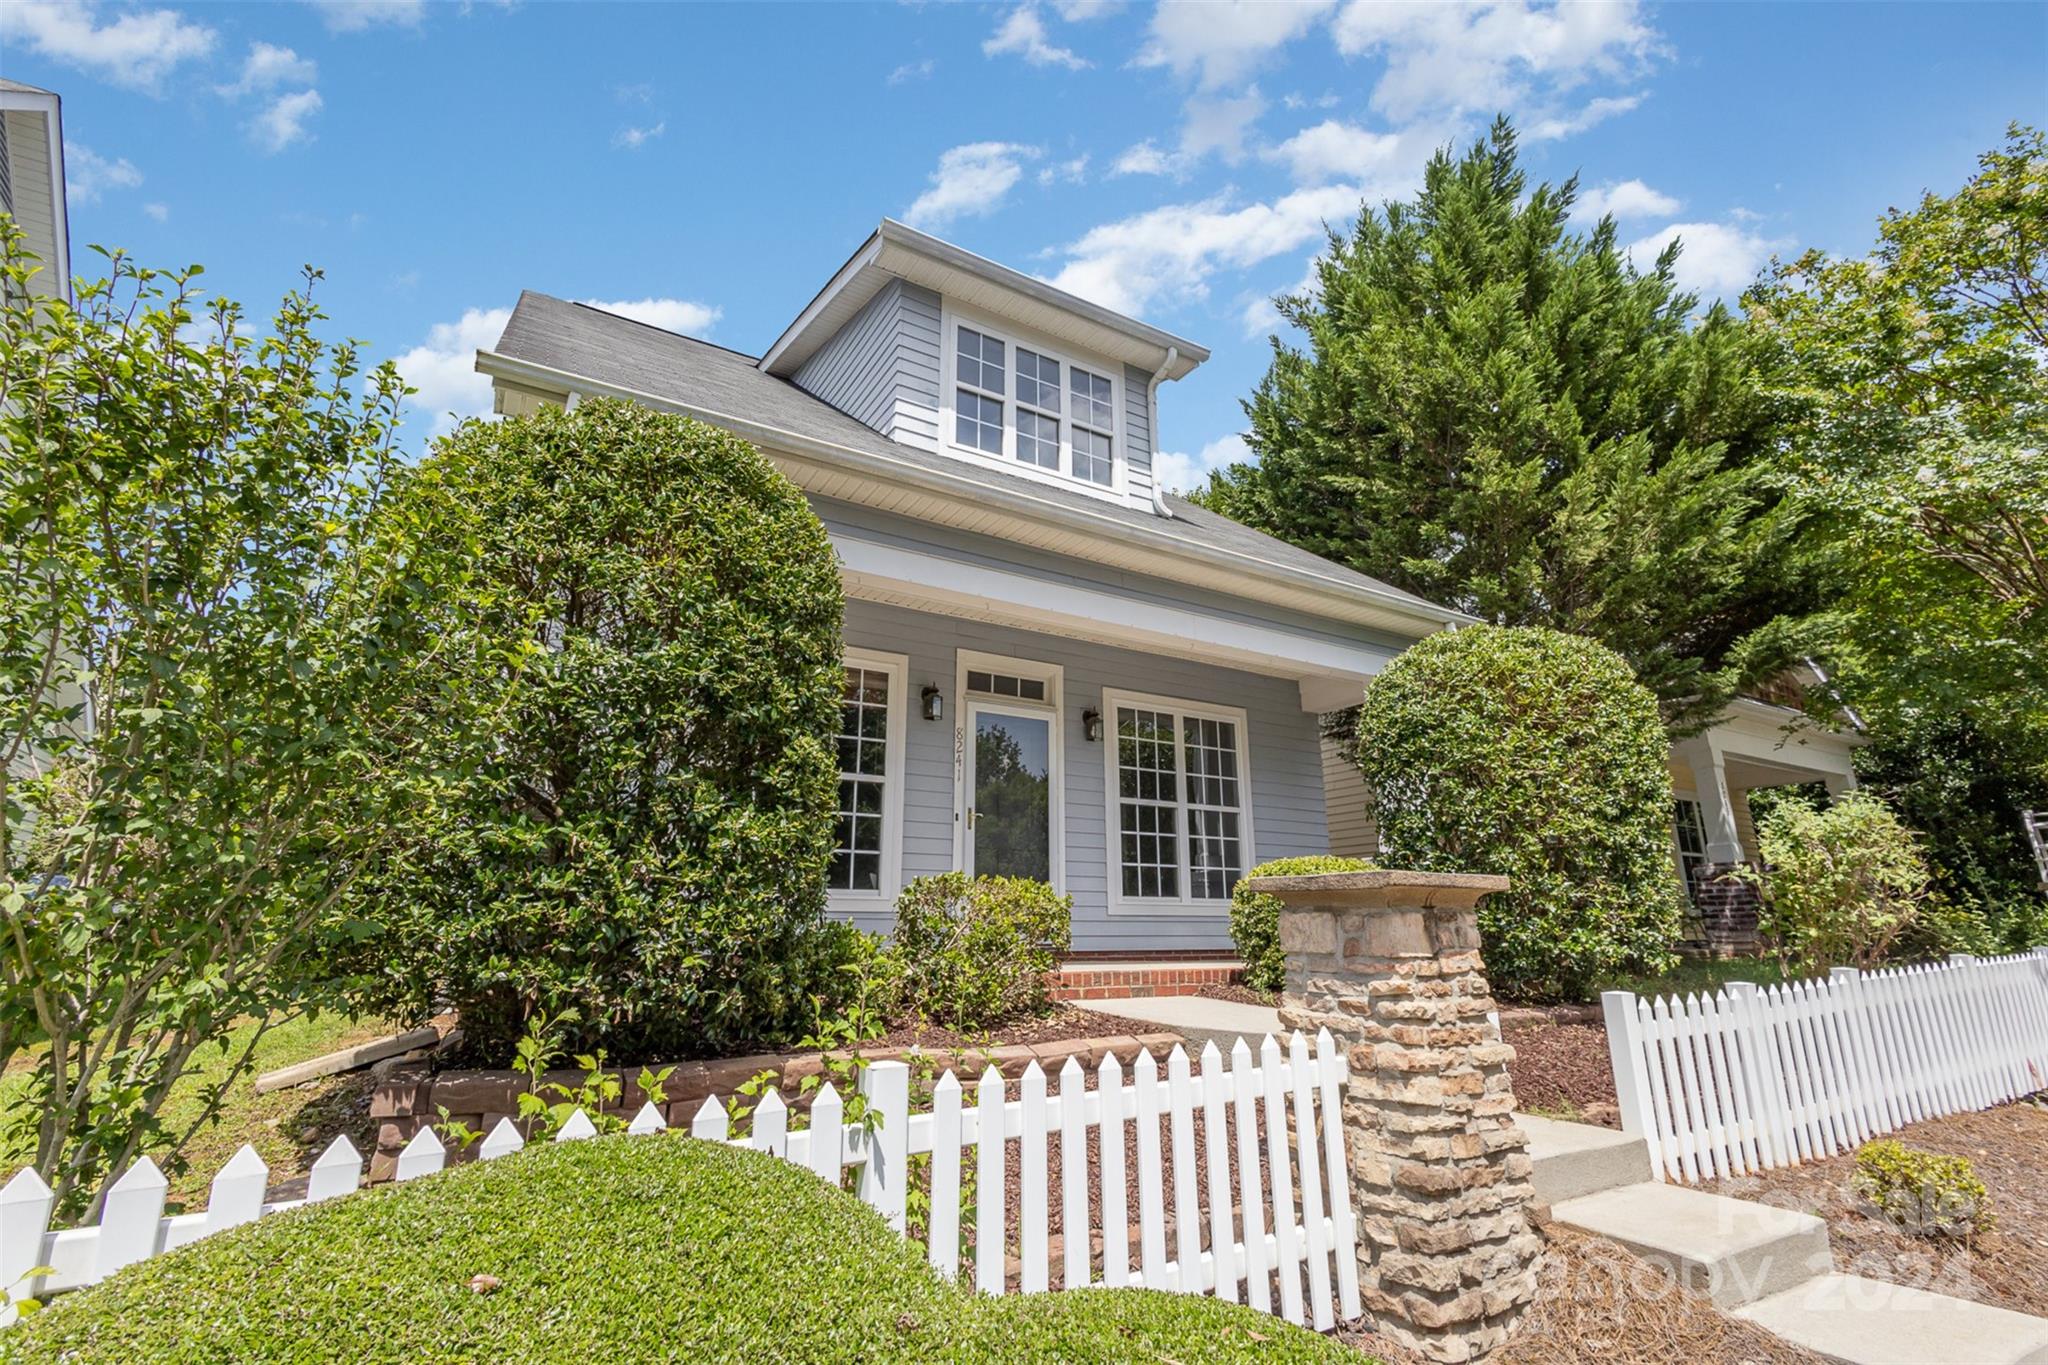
(546, 376)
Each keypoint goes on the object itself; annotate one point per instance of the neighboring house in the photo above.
(1053, 668)
(1766, 740)
(32, 181)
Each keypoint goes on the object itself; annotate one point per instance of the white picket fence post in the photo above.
(1756, 1078)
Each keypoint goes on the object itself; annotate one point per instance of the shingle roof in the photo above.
(618, 351)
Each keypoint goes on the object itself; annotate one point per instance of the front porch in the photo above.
(1756, 745)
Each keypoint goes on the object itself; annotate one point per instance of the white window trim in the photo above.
(894, 745)
(1678, 845)
(1053, 707)
(1184, 904)
(952, 317)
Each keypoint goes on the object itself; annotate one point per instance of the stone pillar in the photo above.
(1389, 963)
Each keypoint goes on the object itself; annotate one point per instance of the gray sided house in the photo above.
(1054, 669)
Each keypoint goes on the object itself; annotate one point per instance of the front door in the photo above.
(1009, 792)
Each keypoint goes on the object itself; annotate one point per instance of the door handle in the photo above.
(970, 817)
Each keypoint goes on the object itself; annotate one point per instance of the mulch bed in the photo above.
(1562, 1070)
(1064, 1023)
(2007, 1267)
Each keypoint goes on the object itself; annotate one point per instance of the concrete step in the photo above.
(1731, 1250)
(1577, 1159)
(1871, 1322)
(1197, 1018)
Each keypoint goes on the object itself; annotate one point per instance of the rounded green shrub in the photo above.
(1255, 919)
(1536, 755)
(1846, 882)
(611, 1249)
(975, 951)
(640, 831)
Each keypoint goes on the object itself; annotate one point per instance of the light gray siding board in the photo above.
(1138, 429)
(882, 367)
(1286, 786)
(1348, 805)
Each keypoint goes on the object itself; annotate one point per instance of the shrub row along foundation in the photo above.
(409, 1098)
(1389, 963)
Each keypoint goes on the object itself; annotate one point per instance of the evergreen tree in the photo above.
(1506, 417)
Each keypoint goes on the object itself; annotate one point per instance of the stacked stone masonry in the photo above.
(1440, 1174)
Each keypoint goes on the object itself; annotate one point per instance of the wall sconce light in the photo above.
(1091, 726)
(934, 704)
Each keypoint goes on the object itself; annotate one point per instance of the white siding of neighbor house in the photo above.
(35, 205)
(1286, 785)
(882, 368)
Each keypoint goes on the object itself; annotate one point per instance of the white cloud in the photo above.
(159, 212)
(970, 182)
(353, 16)
(1179, 472)
(1073, 171)
(443, 368)
(268, 66)
(1173, 251)
(1219, 126)
(1483, 57)
(912, 71)
(1221, 43)
(1260, 318)
(136, 50)
(283, 121)
(1549, 128)
(1714, 259)
(1628, 199)
(1146, 159)
(88, 175)
(1023, 33)
(1081, 11)
(1335, 150)
(633, 138)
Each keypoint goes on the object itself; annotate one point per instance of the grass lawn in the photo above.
(288, 1127)
(1699, 975)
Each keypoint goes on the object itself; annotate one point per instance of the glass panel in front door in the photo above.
(1011, 828)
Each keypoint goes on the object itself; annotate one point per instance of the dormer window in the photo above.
(1059, 419)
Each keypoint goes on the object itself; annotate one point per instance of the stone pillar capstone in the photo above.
(1388, 962)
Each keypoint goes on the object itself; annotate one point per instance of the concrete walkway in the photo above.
(1196, 1018)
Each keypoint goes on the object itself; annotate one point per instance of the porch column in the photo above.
(1440, 1178)
(1717, 807)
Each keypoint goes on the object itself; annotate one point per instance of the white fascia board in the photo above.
(1775, 736)
(1029, 602)
(1165, 539)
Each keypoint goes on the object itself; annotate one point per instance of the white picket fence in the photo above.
(1757, 1078)
(1259, 1232)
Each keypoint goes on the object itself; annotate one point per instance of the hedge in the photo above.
(620, 1248)
(1537, 755)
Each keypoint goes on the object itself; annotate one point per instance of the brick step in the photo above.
(1136, 980)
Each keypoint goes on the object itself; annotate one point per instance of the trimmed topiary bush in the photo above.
(975, 951)
(1255, 919)
(610, 1249)
(1537, 755)
(642, 829)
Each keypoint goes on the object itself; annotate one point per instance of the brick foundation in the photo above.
(1081, 980)
(1728, 911)
(1389, 963)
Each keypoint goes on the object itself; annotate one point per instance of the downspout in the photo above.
(1152, 401)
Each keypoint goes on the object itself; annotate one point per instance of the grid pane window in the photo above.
(1092, 458)
(1215, 851)
(1180, 795)
(1148, 816)
(1038, 439)
(863, 743)
(1692, 844)
(1038, 380)
(978, 421)
(1091, 398)
(979, 361)
(1006, 685)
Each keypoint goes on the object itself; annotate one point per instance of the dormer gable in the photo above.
(947, 352)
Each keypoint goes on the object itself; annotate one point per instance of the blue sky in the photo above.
(707, 167)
